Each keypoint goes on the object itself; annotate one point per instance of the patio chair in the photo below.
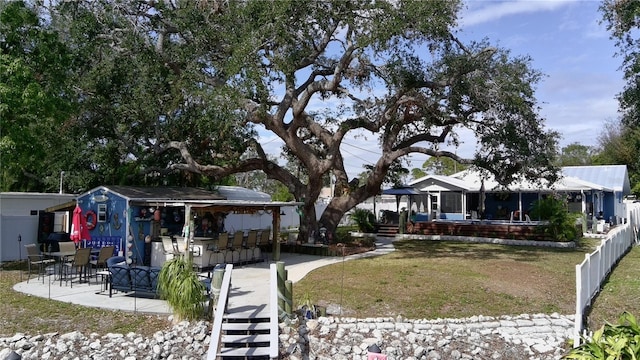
(36, 260)
(79, 265)
(250, 246)
(219, 249)
(236, 248)
(101, 261)
(263, 246)
(67, 246)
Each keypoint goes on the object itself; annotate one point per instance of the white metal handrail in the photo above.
(221, 307)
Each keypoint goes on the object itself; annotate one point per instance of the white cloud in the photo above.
(481, 12)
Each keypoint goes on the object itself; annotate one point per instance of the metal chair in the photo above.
(79, 264)
(67, 246)
(219, 249)
(36, 259)
(250, 246)
(264, 245)
(101, 261)
(236, 248)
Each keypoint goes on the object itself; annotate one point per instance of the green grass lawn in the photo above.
(34, 315)
(434, 279)
(621, 292)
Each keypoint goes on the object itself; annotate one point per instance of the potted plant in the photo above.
(180, 286)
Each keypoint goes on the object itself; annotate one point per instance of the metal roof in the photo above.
(565, 183)
(613, 177)
(240, 193)
(471, 180)
(162, 193)
(195, 197)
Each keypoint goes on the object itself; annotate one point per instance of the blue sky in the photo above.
(566, 43)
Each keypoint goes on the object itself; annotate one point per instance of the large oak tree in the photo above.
(186, 87)
(35, 100)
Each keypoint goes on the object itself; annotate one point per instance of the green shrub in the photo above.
(180, 286)
(611, 342)
(561, 224)
(365, 220)
(343, 234)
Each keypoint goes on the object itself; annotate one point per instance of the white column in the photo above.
(520, 211)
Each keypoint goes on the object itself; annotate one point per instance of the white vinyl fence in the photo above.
(596, 266)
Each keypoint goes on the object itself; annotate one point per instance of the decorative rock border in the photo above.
(536, 336)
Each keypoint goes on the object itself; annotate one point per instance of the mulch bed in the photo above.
(350, 249)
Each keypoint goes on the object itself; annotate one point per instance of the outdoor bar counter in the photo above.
(202, 251)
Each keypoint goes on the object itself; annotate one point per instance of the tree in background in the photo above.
(576, 154)
(622, 18)
(438, 166)
(35, 100)
(180, 91)
(621, 142)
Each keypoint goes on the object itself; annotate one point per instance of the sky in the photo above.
(566, 43)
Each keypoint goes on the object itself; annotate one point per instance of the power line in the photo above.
(358, 157)
(363, 149)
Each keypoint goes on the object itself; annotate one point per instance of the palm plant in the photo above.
(365, 220)
(561, 224)
(180, 286)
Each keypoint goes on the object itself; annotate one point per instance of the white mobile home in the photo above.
(20, 215)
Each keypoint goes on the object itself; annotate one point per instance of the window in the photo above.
(451, 202)
(102, 213)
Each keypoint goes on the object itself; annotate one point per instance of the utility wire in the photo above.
(358, 157)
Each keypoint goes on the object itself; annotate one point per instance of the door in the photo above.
(434, 208)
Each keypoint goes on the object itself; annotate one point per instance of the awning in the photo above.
(68, 206)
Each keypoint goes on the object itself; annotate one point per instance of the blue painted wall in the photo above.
(609, 204)
(112, 230)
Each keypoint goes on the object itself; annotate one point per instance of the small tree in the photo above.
(561, 224)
